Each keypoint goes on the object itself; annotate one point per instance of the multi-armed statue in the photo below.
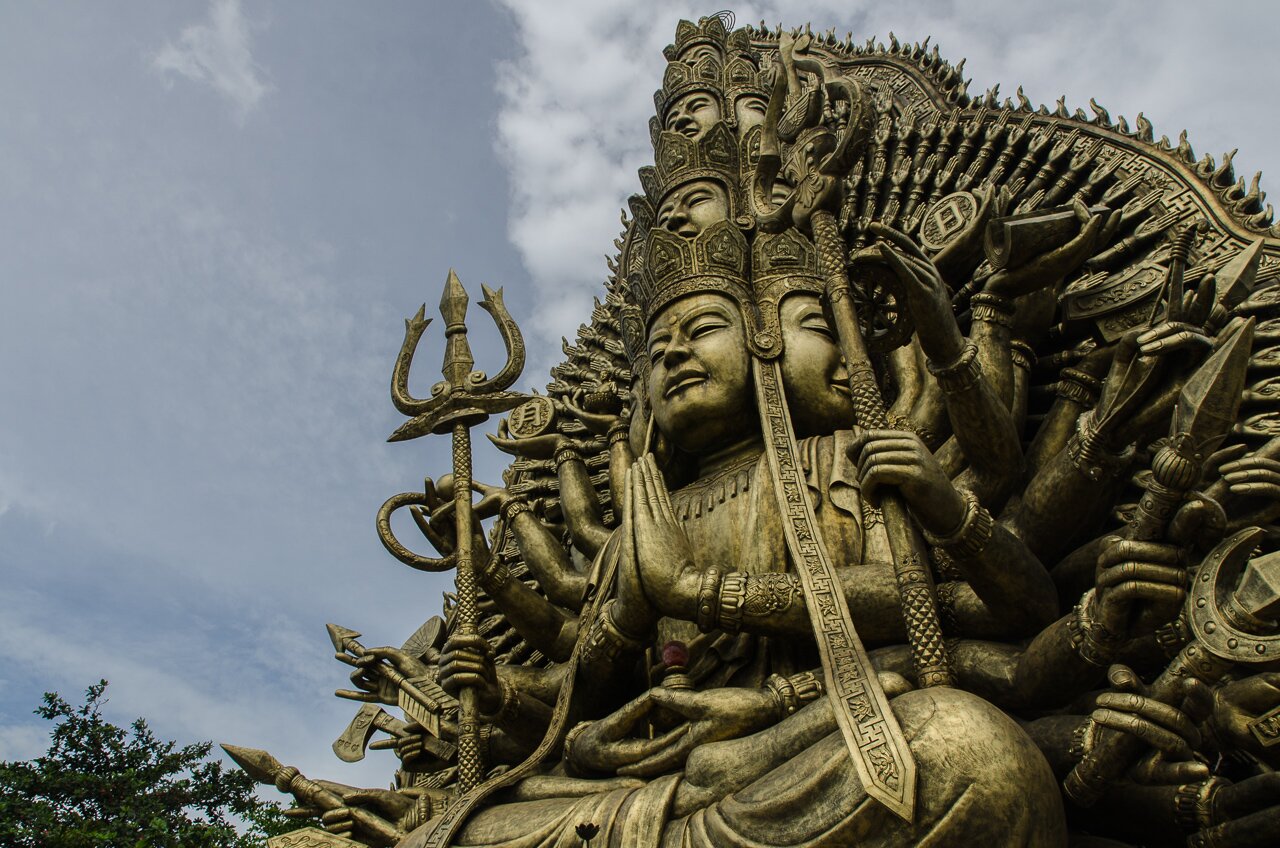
(913, 482)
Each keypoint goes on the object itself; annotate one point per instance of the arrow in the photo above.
(264, 768)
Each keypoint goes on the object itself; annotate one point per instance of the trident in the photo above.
(462, 400)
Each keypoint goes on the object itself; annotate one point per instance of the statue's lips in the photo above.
(684, 380)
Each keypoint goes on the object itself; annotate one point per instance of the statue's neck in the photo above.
(730, 455)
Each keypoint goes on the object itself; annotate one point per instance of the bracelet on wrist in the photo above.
(708, 600)
(961, 375)
(571, 737)
(992, 309)
(1022, 354)
(1193, 805)
(565, 454)
(733, 599)
(495, 574)
(1083, 738)
(1075, 385)
(970, 538)
(513, 507)
(508, 707)
(1091, 641)
(619, 431)
(1090, 456)
(784, 695)
(792, 693)
(606, 641)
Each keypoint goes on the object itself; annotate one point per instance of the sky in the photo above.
(214, 216)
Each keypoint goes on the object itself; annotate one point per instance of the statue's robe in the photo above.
(980, 778)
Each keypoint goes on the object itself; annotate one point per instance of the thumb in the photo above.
(679, 701)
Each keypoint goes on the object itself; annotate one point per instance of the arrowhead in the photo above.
(453, 303)
(340, 636)
(1235, 280)
(259, 765)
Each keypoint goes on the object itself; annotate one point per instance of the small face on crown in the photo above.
(699, 372)
(698, 51)
(690, 208)
(693, 114)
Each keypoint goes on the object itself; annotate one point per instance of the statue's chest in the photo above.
(733, 523)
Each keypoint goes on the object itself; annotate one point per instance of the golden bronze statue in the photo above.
(913, 483)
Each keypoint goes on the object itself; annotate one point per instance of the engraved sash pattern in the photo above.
(875, 741)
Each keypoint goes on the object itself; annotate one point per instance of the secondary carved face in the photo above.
(692, 207)
(816, 380)
(749, 111)
(699, 379)
(693, 114)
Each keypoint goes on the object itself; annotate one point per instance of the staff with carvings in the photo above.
(462, 400)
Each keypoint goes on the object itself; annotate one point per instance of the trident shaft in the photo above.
(462, 400)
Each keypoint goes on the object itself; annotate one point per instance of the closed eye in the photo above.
(706, 327)
(817, 324)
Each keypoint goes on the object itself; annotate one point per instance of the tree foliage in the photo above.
(104, 786)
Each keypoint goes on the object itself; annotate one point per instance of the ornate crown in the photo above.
(742, 74)
(681, 79)
(678, 159)
(781, 263)
(717, 259)
(710, 31)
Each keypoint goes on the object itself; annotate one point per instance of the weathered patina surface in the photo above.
(913, 482)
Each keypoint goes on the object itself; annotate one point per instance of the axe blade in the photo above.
(350, 746)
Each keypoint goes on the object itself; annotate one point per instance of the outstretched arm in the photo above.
(980, 419)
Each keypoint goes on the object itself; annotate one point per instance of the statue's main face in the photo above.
(692, 207)
(816, 380)
(693, 114)
(699, 379)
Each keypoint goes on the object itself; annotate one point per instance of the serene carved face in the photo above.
(816, 380)
(699, 379)
(693, 114)
(698, 52)
(749, 112)
(694, 206)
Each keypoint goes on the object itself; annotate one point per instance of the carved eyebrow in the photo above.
(657, 344)
(811, 310)
(704, 310)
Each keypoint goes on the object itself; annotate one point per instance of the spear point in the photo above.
(1236, 279)
(1210, 399)
(259, 765)
(453, 303)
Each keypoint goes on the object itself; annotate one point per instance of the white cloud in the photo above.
(576, 100)
(22, 741)
(217, 53)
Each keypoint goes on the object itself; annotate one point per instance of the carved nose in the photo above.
(677, 351)
(678, 219)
